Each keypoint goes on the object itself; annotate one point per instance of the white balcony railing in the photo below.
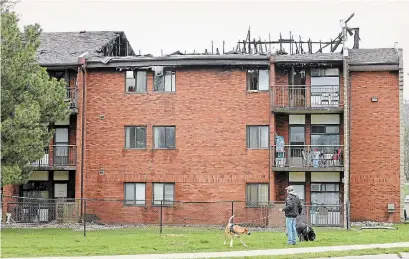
(306, 96)
(307, 156)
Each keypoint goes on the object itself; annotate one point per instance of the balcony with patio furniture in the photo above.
(307, 158)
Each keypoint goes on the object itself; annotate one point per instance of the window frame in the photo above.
(165, 70)
(146, 138)
(258, 203)
(321, 191)
(163, 203)
(135, 75)
(258, 80)
(305, 189)
(134, 200)
(153, 136)
(259, 140)
(326, 134)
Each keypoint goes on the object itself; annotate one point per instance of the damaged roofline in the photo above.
(57, 65)
(281, 62)
(180, 61)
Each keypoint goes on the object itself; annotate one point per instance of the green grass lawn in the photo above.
(406, 189)
(66, 242)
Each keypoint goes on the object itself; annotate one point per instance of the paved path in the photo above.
(380, 256)
(285, 251)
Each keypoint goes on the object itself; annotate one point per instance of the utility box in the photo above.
(391, 207)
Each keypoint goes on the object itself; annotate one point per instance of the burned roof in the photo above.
(373, 56)
(65, 47)
(314, 57)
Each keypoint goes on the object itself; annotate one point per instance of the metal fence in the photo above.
(161, 217)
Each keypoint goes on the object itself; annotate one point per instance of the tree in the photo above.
(30, 100)
(406, 137)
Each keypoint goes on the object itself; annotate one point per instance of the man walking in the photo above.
(291, 209)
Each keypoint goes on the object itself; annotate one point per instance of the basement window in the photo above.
(135, 193)
(256, 194)
(135, 81)
(257, 80)
(163, 193)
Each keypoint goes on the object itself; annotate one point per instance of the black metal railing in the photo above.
(58, 155)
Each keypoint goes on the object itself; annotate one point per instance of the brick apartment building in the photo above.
(223, 127)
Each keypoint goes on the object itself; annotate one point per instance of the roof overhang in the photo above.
(216, 60)
(58, 66)
(374, 67)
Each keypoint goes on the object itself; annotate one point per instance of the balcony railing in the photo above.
(71, 96)
(306, 96)
(307, 156)
(58, 156)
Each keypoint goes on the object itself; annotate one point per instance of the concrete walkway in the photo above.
(380, 256)
(285, 251)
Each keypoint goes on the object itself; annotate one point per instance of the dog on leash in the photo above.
(233, 230)
(304, 231)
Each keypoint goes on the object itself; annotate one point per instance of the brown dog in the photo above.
(233, 230)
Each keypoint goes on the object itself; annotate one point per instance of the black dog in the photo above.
(304, 231)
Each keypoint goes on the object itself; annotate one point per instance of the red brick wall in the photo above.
(375, 150)
(210, 109)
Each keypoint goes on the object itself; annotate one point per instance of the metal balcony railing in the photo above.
(323, 156)
(58, 155)
(306, 96)
(71, 96)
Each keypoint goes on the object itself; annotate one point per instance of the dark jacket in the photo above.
(293, 206)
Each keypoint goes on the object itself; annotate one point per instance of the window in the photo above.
(135, 193)
(325, 135)
(257, 137)
(299, 190)
(256, 194)
(164, 137)
(135, 81)
(165, 80)
(257, 80)
(325, 193)
(164, 192)
(324, 87)
(135, 137)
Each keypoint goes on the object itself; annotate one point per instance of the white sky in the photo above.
(191, 25)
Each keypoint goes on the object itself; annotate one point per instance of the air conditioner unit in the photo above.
(315, 187)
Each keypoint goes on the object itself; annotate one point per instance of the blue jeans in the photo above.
(291, 231)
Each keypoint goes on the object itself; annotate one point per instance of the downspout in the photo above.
(269, 133)
(347, 129)
(82, 61)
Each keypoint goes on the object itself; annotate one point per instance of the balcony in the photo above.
(307, 158)
(71, 97)
(58, 157)
(307, 99)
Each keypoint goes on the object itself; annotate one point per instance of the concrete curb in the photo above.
(284, 251)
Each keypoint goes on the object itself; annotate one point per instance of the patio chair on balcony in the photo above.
(325, 100)
(306, 158)
(337, 157)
